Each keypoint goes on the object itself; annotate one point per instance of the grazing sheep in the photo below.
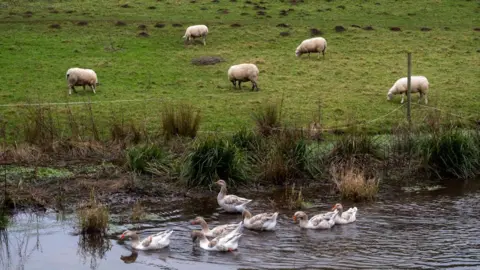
(81, 77)
(317, 44)
(419, 84)
(196, 31)
(243, 73)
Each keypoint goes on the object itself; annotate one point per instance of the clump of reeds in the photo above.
(267, 119)
(294, 198)
(40, 127)
(353, 184)
(138, 212)
(148, 159)
(92, 216)
(120, 133)
(182, 120)
(247, 140)
(212, 158)
(451, 152)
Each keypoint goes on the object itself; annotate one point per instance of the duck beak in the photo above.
(192, 222)
(122, 236)
(334, 207)
(295, 218)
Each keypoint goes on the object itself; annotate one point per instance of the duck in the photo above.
(230, 203)
(346, 217)
(228, 242)
(217, 231)
(316, 222)
(155, 241)
(260, 222)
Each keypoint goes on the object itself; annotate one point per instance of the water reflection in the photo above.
(93, 247)
(130, 258)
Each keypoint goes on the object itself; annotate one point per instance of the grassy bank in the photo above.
(41, 41)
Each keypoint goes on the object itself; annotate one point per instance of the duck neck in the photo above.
(304, 222)
(135, 240)
(222, 193)
(204, 226)
(340, 211)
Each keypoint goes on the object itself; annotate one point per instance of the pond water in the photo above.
(410, 228)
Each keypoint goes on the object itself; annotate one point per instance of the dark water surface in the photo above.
(405, 229)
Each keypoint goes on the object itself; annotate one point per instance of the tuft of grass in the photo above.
(451, 153)
(247, 140)
(285, 158)
(359, 148)
(93, 216)
(138, 212)
(182, 120)
(267, 119)
(4, 220)
(213, 158)
(148, 159)
(353, 184)
(40, 127)
(294, 198)
(120, 133)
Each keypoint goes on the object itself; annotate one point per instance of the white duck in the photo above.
(217, 231)
(316, 222)
(230, 203)
(261, 222)
(228, 242)
(155, 241)
(346, 217)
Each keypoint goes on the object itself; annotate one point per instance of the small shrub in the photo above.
(148, 159)
(267, 119)
(353, 184)
(181, 121)
(93, 216)
(213, 158)
(452, 152)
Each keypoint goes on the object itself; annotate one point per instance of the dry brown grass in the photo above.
(353, 184)
(92, 216)
(138, 212)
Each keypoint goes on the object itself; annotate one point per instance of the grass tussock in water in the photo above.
(213, 158)
(148, 159)
(181, 120)
(92, 216)
(353, 184)
(138, 212)
(451, 152)
(294, 199)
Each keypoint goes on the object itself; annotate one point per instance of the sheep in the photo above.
(243, 73)
(418, 83)
(195, 31)
(317, 44)
(81, 77)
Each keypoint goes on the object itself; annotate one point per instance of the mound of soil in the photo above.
(120, 23)
(159, 25)
(339, 29)
(284, 34)
(55, 26)
(207, 60)
(143, 34)
(315, 32)
(476, 29)
(395, 29)
(82, 23)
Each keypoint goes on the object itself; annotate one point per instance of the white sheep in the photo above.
(243, 73)
(418, 84)
(317, 44)
(81, 77)
(196, 31)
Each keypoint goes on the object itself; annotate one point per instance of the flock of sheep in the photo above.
(249, 72)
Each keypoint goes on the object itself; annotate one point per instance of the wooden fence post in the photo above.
(409, 85)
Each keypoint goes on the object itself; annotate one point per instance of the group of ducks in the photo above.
(226, 237)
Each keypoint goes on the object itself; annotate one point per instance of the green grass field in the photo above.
(350, 83)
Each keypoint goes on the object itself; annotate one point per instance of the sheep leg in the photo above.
(426, 99)
(234, 83)
(204, 40)
(323, 52)
(239, 84)
(403, 97)
(254, 85)
(93, 88)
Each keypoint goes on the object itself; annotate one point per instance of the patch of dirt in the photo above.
(425, 29)
(176, 25)
(315, 32)
(152, 7)
(236, 25)
(125, 6)
(340, 29)
(82, 23)
(395, 29)
(55, 26)
(368, 28)
(143, 34)
(283, 25)
(141, 27)
(207, 60)
(355, 26)
(476, 29)
(159, 25)
(244, 14)
(284, 34)
(120, 23)
(70, 11)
